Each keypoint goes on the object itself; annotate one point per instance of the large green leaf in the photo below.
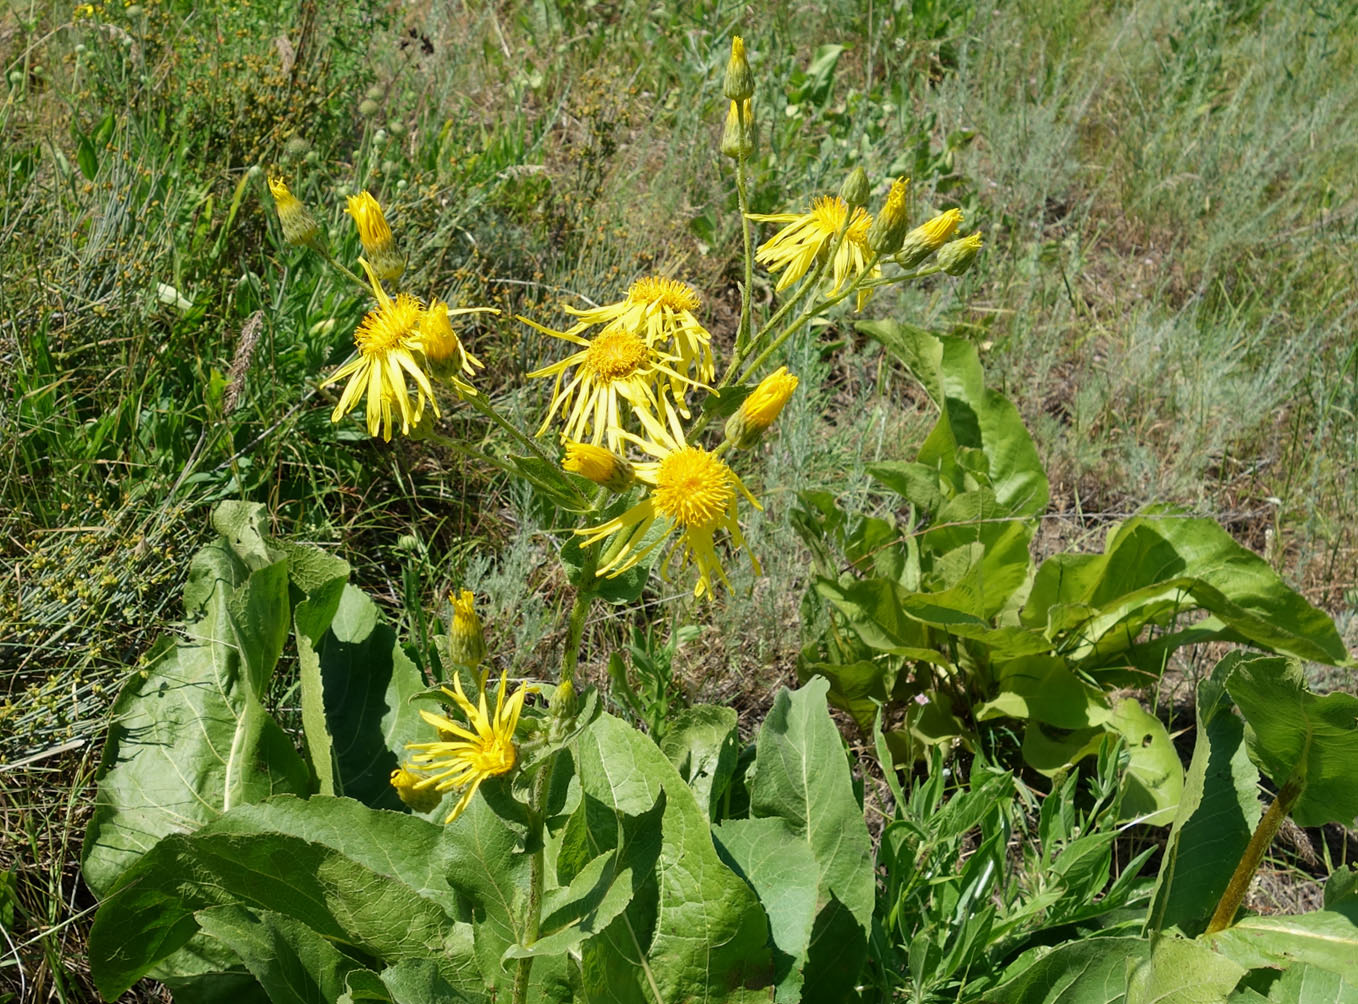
(1088, 971)
(366, 683)
(1217, 813)
(701, 743)
(1295, 733)
(1327, 939)
(354, 876)
(972, 417)
(1299, 984)
(1182, 972)
(801, 776)
(1155, 777)
(191, 736)
(1163, 564)
(707, 939)
(294, 964)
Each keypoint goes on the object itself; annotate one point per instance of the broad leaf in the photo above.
(701, 743)
(1293, 732)
(1089, 971)
(1327, 939)
(1182, 972)
(190, 735)
(292, 962)
(1217, 813)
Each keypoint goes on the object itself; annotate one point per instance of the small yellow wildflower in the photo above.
(472, 755)
(387, 340)
(603, 467)
(444, 351)
(692, 491)
(928, 237)
(796, 247)
(759, 410)
(616, 364)
(375, 235)
(738, 84)
(299, 226)
(407, 788)
(887, 232)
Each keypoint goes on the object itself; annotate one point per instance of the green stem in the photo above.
(471, 453)
(584, 598)
(1264, 833)
(743, 332)
(534, 847)
(352, 276)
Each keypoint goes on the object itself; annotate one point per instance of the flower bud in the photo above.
(418, 799)
(927, 238)
(739, 82)
(466, 643)
(562, 710)
(856, 188)
(602, 466)
(737, 138)
(758, 411)
(379, 247)
(957, 256)
(442, 349)
(299, 226)
(887, 232)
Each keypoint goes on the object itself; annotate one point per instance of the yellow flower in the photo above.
(375, 235)
(796, 247)
(407, 787)
(738, 135)
(443, 350)
(692, 491)
(957, 256)
(759, 410)
(299, 226)
(486, 749)
(616, 363)
(928, 237)
(738, 84)
(603, 467)
(387, 340)
(888, 231)
(661, 310)
(466, 641)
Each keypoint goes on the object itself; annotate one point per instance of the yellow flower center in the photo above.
(495, 757)
(828, 212)
(388, 327)
(693, 487)
(615, 355)
(669, 293)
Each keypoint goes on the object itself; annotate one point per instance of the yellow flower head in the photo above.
(759, 410)
(407, 787)
(299, 227)
(661, 311)
(444, 351)
(797, 246)
(738, 84)
(466, 642)
(616, 364)
(603, 467)
(887, 232)
(738, 135)
(387, 340)
(375, 235)
(928, 237)
(693, 492)
(472, 754)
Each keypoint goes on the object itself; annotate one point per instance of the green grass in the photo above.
(1166, 293)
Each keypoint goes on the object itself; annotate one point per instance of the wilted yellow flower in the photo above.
(603, 467)
(484, 750)
(299, 226)
(887, 232)
(407, 788)
(738, 85)
(928, 237)
(375, 235)
(387, 340)
(759, 410)
(796, 247)
(444, 351)
(957, 256)
(616, 364)
(692, 491)
(466, 641)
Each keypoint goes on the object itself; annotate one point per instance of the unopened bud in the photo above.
(739, 82)
(417, 798)
(466, 643)
(887, 232)
(758, 411)
(856, 188)
(443, 350)
(602, 466)
(737, 137)
(299, 226)
(379, 247)
(957, 256)
(927, 238)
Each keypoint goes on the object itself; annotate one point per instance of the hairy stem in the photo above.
(1259, 843)
(534, 847)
